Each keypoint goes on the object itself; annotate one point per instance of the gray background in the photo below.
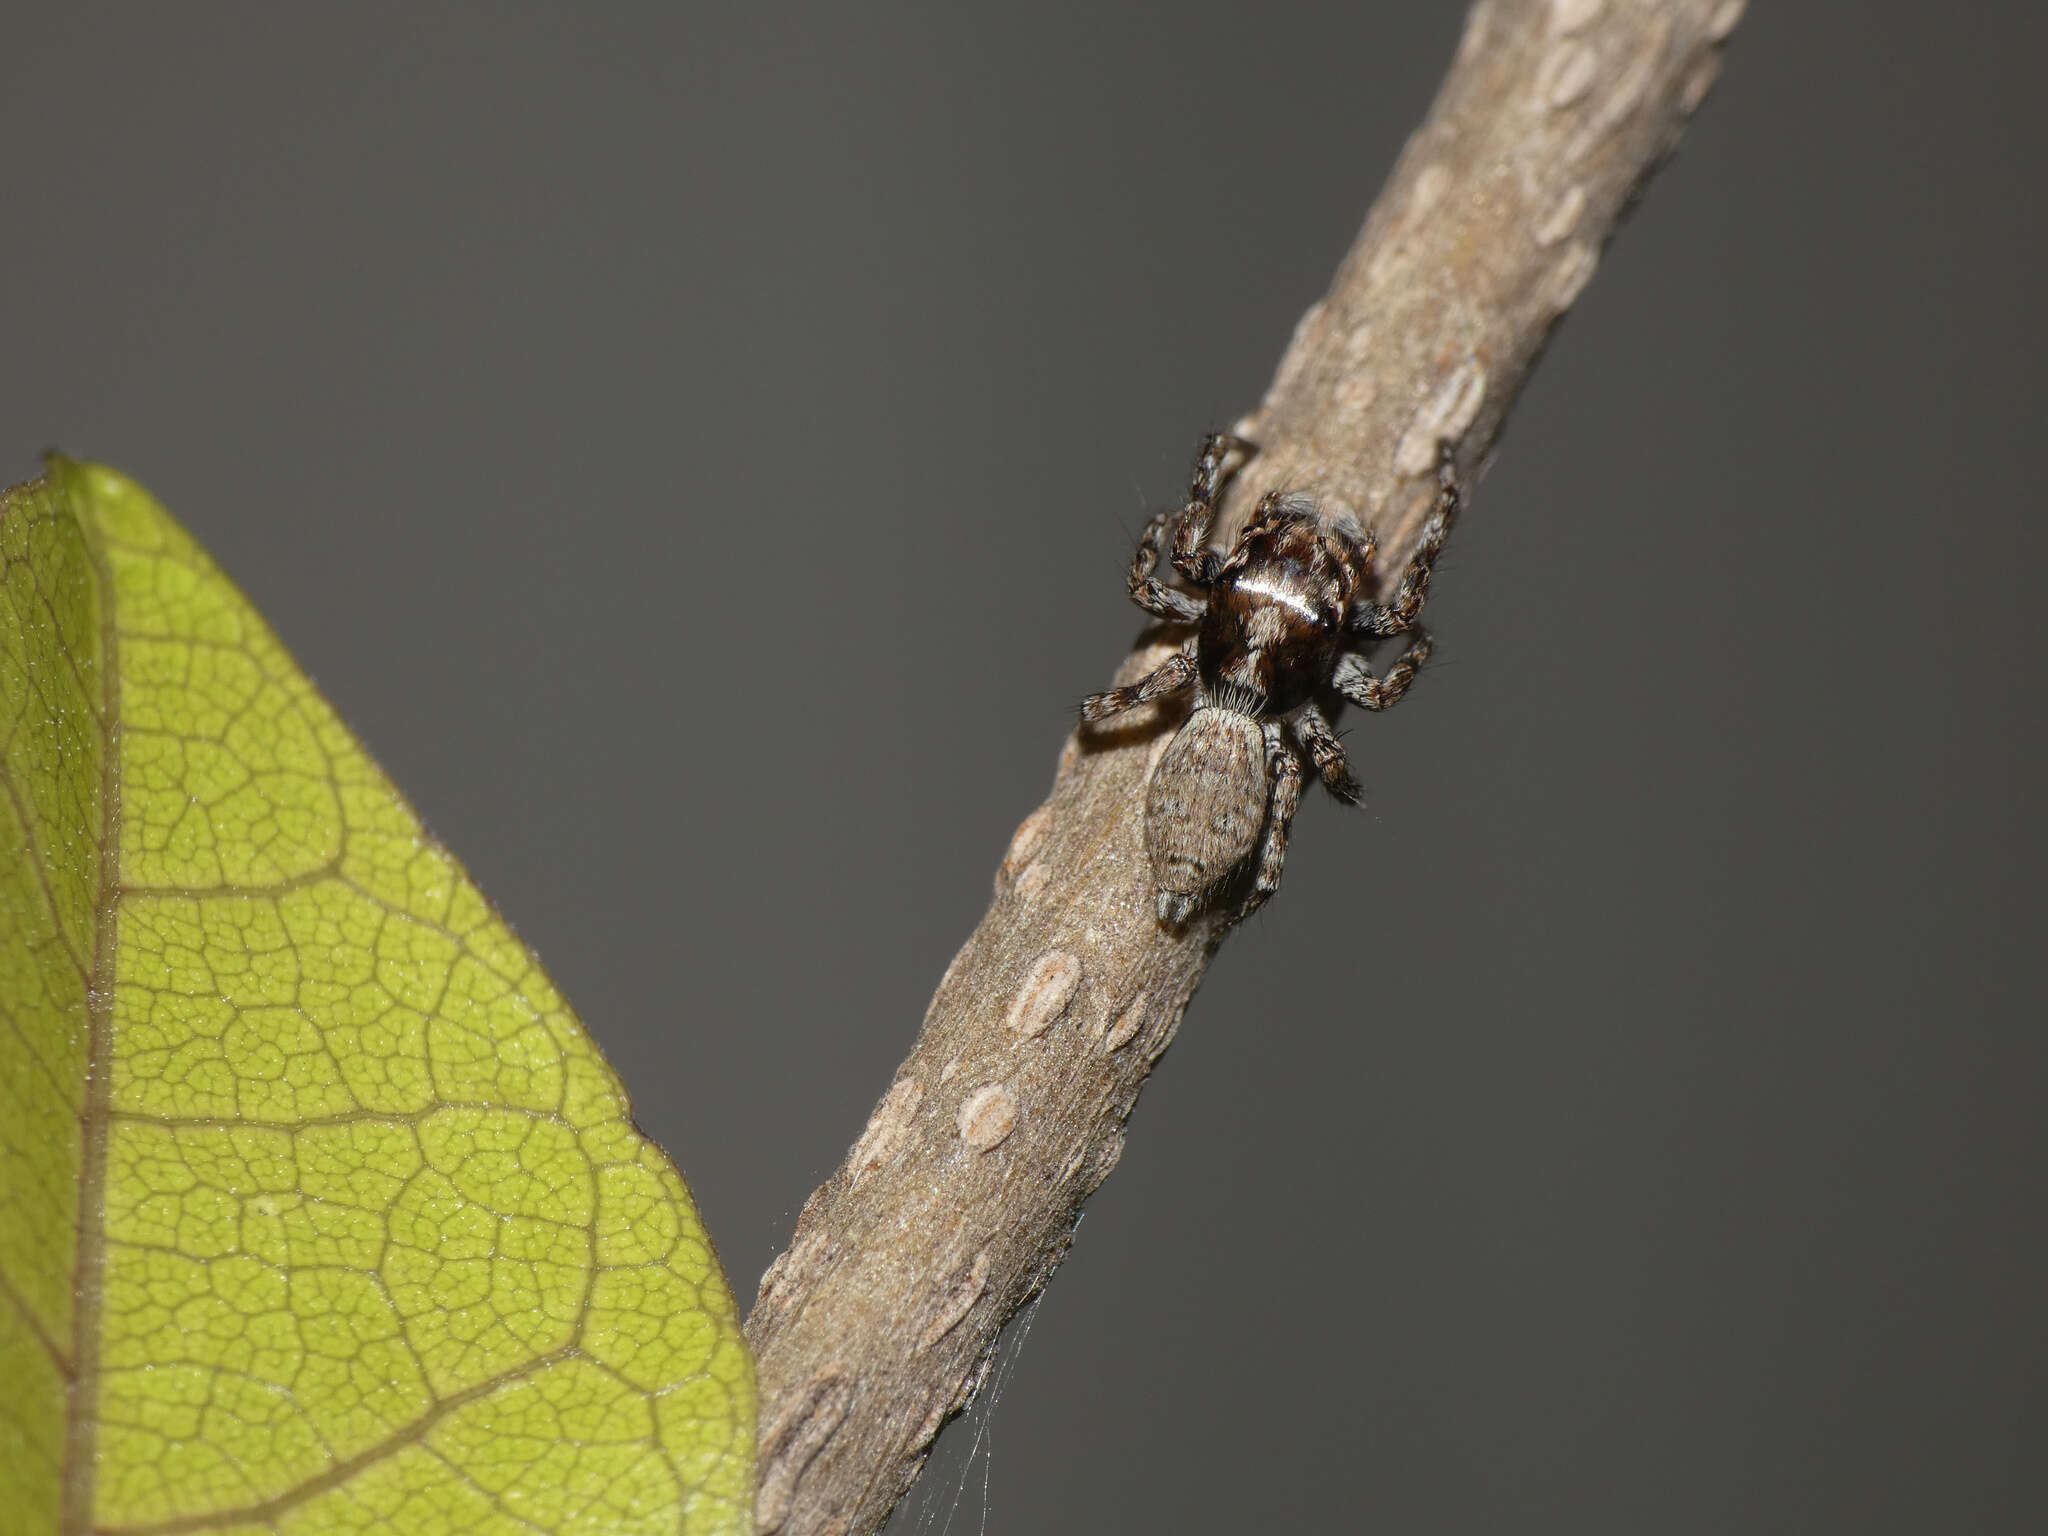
(1633, 1120)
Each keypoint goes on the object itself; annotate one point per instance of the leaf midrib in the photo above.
(88, 1274)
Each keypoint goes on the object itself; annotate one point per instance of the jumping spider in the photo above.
(1274, 633)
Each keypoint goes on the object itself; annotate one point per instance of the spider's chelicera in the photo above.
(1277, 629)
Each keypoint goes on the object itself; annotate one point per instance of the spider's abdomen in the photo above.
(1206, 804)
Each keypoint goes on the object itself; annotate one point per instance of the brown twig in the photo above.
(959, 1199)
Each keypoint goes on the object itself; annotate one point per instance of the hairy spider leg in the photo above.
(1148, 591)
(1170, 677)
(1191, 555)
(1284, 769)
(1327, 753)
(1356, 681)
(1371, 620)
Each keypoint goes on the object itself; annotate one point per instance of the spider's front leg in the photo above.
(1191, 555)
(1284, 769)
(1398, 617)
(1148, 591)
(1173, 675)
(1357, 682)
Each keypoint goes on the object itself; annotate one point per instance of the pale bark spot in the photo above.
(1046, 992)
(1564, 75)
(887, 1127)
(1128, 1023)
(1442, 419)
(1568, 16)
(1562, 217)
(956, 1300)
(988, 1115)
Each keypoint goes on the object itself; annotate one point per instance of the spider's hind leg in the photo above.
(1283, 769)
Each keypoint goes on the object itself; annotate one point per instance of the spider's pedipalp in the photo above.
(1363, 542)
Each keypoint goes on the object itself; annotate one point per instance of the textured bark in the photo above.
(959, 1199)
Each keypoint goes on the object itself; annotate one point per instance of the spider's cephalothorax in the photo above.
(1276, 632)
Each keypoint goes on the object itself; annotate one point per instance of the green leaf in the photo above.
(318, 1209)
